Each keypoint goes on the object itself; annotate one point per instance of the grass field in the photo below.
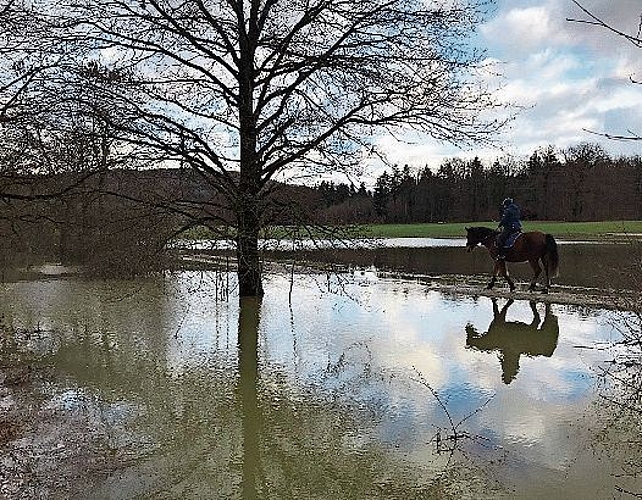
(562, 230)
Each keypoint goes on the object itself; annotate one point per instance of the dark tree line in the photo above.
(121, 220)
(581, 183)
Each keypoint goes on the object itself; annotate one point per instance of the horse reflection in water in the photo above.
(511, 339)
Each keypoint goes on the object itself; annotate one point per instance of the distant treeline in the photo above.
(582, 183)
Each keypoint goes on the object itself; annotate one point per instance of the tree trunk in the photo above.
(247, 250)
(248, 209)
(248, 205)
(248, 196)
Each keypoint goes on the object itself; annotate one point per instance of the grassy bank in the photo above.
(561, 230)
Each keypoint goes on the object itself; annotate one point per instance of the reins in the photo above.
(492, 235)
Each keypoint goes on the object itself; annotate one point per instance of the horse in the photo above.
(532, 246)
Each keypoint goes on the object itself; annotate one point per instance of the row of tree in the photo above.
(580, 183)
(122, 219)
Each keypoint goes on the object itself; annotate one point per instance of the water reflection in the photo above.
(248, 334)
(319, 442)
(512, 339)
(317, 397)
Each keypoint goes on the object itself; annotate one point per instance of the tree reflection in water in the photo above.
(249, 316)
(512, 339)
(300, 443)
(618, 429)
(167, 422)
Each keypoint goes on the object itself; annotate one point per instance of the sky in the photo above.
(568, 78)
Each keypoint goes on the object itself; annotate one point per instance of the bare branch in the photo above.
(596, 21)
(617, 137)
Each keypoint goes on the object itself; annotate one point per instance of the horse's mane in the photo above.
(482, 231)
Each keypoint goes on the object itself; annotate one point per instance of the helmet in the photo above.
(506, 202)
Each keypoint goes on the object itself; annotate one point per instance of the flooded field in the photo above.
(333, 386)
(582, 264)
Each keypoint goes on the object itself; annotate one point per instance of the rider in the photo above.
(509, 225)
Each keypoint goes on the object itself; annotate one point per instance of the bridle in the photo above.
(492, 236)
(485, 240)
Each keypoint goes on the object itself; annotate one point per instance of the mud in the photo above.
(47, 449)
(625, 300)
(465, 285)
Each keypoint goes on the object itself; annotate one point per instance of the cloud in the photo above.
(518, 31)
(571, 77)
(570, 80)
(526, 25)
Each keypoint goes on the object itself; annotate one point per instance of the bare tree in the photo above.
(245, 90)
(10, 82)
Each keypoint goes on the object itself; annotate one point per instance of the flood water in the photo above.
(582, 264)
(344, 386)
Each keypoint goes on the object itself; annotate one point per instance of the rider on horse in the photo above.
(509, 225)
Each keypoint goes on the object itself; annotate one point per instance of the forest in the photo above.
(580, 183)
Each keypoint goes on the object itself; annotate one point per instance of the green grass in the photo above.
(563, 230)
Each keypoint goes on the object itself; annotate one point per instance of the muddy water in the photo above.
(357, 387)
(593, 265)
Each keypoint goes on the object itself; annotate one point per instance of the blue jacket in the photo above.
(510, 218)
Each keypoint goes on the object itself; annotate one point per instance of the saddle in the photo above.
(512, 238)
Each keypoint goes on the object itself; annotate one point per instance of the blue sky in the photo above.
(570, 77)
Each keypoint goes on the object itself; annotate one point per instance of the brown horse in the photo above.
(533, 246)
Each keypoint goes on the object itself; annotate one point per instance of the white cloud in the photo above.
(521, 30)
(572, 77)
(569, 79)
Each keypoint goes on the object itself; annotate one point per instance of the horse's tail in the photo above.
(553, 256)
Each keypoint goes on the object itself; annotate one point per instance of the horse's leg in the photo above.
(491, 283)
(502, 315)
(547, 284)
(536, 317)
(536, 272)
(504, 271)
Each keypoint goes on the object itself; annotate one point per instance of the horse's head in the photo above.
(472, 238)
(476, 235)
